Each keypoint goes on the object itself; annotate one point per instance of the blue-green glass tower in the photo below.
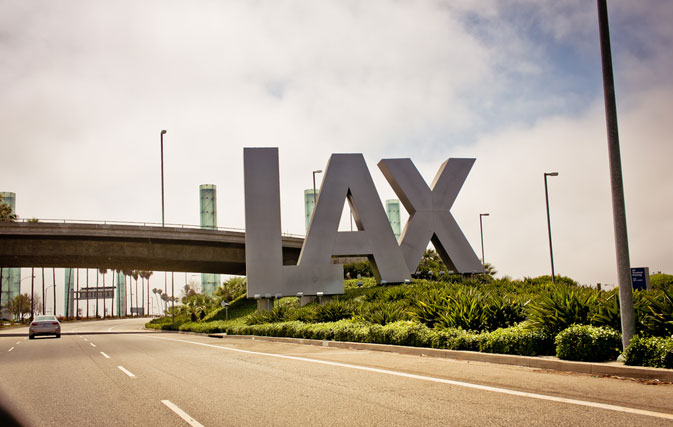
(208, 196)
(11, 277)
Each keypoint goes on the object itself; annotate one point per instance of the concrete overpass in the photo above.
(128, 247)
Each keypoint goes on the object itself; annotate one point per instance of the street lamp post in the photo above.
(173, 296)
(546, 195)
(32, 292)
(481, 229)
(314, 189)
(616, 180)
(163, 222)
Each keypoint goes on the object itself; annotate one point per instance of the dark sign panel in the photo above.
(107, 292)
(640, 277)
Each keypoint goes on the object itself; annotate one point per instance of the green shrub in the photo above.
(382, 312)
(455, 339)
(406, 333)
(655, 352)
(588, 343)
(659, 319)
(333, 311)
(661, 281)
(560, 307)
(516, 340)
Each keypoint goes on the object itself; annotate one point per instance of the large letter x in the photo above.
(430, 218)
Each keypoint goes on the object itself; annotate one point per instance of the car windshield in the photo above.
(43, 318)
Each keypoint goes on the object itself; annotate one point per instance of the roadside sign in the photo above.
(640, 277)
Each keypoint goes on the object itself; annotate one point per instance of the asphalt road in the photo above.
(114, 373)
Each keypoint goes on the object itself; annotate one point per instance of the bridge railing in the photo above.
(139, 223)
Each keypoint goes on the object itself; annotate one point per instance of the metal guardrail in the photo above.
(139, 223)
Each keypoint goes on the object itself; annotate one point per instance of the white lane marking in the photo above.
(441, 380)
(126, 371)
(92, 344)
(85, 339)
(182, 414)
(18, 343)
(105, 355)
(10, 349)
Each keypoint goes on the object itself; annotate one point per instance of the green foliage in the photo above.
(468, 308)
(460, 313)
(661, 281)
(659, 320)
(231, 289)
(362, 268)
(516, 340)
(655, 352)
(6, 214)
(333, 311)
(588, 343)
(544, 280)
(559, 307)
(383, 313)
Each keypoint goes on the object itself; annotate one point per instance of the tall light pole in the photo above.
(32, 291)
(173, 296)
(616, 183)
(481, 228)
(546, 196)
(314, 189)
(163, 222)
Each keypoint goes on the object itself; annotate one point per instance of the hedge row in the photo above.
(514, 340)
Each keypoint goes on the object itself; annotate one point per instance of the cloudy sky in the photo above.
(87, 86)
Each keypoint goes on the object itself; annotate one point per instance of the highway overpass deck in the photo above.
(137, 247)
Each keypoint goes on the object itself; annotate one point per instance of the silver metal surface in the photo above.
(429, 208)
(263, 251)
(347, 177)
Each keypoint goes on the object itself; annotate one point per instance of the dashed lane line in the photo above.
(126, 371)
(182, 414)
(585, 403)
(10, 349)
(105, 355)
(92, 344)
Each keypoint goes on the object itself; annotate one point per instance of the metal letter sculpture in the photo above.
(429, 212)
(347, 177)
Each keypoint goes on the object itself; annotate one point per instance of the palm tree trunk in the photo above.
(87, 294)
(97, 273)
(77, 297)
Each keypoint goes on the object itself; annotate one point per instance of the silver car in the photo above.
(44, 325)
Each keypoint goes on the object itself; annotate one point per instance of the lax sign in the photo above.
(347, 177)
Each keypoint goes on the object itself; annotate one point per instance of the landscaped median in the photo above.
(526, 318)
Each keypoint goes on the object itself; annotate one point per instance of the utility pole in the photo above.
(616, 182)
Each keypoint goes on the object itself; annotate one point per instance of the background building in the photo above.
(120, 301)
(208, 196)
(309, 205)
(69, 293)
(393, 212)
(11, 277)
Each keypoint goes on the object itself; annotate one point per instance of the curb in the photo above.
(609, 369)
